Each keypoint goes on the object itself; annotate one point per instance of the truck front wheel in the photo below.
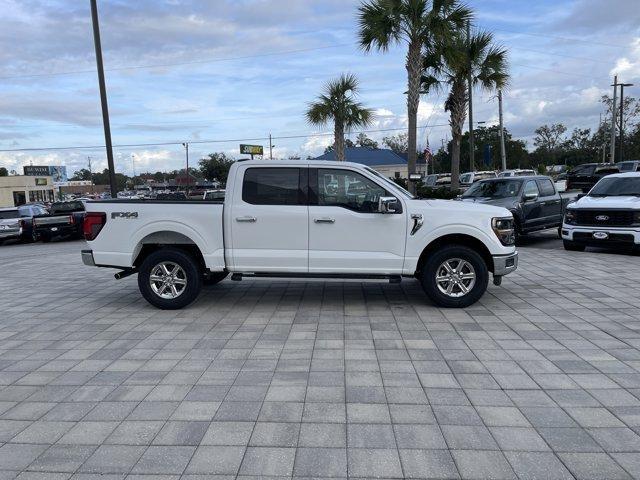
(455, 277)
(169, 279)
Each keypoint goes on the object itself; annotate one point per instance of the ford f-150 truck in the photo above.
(64, 218)
(609, 216)
(302, 219)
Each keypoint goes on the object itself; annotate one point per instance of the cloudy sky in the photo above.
(225, 70)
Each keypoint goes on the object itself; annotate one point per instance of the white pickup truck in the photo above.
(302, 219)
(608, 216)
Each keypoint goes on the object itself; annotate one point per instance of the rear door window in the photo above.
(546, 187)
(273, 186)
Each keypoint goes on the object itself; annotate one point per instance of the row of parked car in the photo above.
(37, 221)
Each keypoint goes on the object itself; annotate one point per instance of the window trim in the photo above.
(303, 185)
(540, 189)
(314, 195)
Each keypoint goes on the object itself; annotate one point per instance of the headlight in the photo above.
(570, 217)
(503, 228)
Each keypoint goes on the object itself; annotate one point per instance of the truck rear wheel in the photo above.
(169, 279)
(455, 277)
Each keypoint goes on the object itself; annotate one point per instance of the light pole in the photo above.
(103, 98)
(622, 85)
(133, 165)
(186, 147)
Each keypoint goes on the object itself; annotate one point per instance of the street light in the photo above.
(186, 147)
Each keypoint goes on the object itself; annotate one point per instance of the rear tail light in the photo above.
(93, 223)
(72, 219)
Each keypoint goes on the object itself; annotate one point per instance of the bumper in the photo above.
(87, 258)
(7, 234)
(55, 230)
(505, 264)
(601, 236)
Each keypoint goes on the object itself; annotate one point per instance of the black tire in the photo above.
(214, 278)
(45, 238)
(435, 262)
(190, 273)
(573, 246)
(31, 238)
(560, 231)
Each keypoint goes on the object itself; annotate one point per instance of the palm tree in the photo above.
(418, 23)
(338, 103)
(451, 63)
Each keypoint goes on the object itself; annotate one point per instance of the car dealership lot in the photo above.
(540, 379)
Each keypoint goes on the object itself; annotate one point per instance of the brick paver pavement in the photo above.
(541, 379)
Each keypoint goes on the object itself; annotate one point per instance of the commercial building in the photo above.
(20, 189)
(382, 160)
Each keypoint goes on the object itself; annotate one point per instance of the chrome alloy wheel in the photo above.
(455, 277)
(168, 280)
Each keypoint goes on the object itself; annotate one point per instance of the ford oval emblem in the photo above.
(600, 235)
(602, 218)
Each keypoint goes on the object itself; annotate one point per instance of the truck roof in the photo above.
(301, 163)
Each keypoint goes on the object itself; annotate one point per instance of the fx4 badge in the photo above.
(126, 215)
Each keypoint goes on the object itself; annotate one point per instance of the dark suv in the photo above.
(584, 177)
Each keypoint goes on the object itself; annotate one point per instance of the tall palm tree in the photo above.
(450, 64)
(417, 23)
(338, 103)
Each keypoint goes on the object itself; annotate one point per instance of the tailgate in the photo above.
(52, 221)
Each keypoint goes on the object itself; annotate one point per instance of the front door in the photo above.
(531, 209)
(269, 220)
(347, 235)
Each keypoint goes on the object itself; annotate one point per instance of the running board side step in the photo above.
(237, 277)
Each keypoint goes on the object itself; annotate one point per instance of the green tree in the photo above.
(489, 137)
(82, 174)
(347, 143)
(3, 172)
(417, 23)
(216, 167)
(450, 63)
(398, 143)
(338, 104)
(363, 141)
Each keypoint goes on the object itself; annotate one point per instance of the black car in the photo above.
(584, 177)
(533, 201)
(63, 219)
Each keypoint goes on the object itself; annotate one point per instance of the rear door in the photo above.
(269, 215)
(347, 235)
(551, 206)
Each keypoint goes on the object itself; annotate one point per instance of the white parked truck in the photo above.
(302, 219)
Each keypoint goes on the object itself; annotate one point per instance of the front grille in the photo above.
(613, 238)
(605, 218)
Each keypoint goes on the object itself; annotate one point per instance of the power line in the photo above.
(566, 39)
(176, 64)
(161, 144)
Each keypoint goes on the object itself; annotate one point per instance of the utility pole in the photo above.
(612, 154)
(133, 164)
(186, 147)
(622, 85)
(503, 153)
(90, 174)
(470, 82)
(270, 148)
(103, 99)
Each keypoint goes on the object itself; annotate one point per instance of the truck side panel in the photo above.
(147, 222)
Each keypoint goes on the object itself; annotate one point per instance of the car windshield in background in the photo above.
(66, 207)
(9, 214)
(494, 189)
(616, 187)
(626, 166)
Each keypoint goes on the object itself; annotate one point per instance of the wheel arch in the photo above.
(163, 239)
(455, 239)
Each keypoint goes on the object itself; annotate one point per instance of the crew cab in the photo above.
(585, 176)
(608, 216)
(63, 219)
(302, 219)
(534, 201)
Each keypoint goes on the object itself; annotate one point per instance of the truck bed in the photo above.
(155, 222)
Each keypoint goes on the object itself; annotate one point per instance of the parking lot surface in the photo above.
(276, 378)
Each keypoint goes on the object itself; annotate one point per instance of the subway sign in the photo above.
(36, 171)
(251, 149)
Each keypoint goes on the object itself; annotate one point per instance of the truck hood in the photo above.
(627, 202)
(456, 207)
(508, 202)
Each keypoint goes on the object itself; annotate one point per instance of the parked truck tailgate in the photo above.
(157, 222)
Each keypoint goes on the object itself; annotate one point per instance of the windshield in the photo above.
(626, 166)
(616, 187)
(9, 214)
(389, 182)
(494, 189)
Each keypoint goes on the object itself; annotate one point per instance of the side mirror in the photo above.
(530, 197)
(387, 204)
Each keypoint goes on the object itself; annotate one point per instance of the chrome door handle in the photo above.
(246, 219)
(324, 220)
